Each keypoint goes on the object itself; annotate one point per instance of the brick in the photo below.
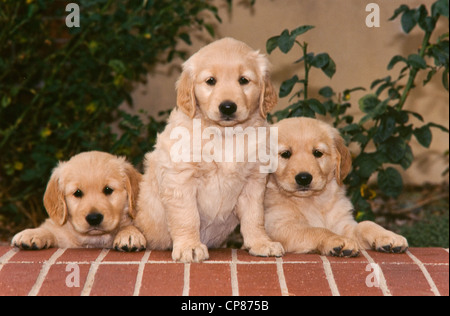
(55, 282)
(34, 255)
(4, 250)
(351, 279)
(210, 280)
(243, 255)
(79, 255)
(163, 279)
(124, 256)
(405, 279)
(219, 255)
(115, 280)
(431, 255)
(306, 279)
(440, 276)
(158, 256)
(17, 279)
(258, 279)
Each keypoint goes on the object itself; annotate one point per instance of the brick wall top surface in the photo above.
(92, 272)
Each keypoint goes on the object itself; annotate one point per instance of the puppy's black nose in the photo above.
(228, 108)
(94, 219)
(303, 179)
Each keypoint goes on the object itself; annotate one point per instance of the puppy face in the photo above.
(227, 82)
(312, 154)
(94, 191)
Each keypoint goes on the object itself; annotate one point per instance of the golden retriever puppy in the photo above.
(91, 201)
(194, 202)
(305, 203)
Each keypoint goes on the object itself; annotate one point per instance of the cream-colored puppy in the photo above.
(306, 207)
(91, 203)
(193, 204)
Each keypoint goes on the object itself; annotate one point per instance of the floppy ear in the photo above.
(268, 99)
(133, 179)
(344, 158)
(54, 200)
(185, 94)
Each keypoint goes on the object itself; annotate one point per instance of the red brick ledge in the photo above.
(420, 271)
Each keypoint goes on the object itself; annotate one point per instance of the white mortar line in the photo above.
(234, 277)
(330, 277)
(92, 271)
(187, 279)
(281, 277)
(137, 287)
(427, 275)
(44, 271)
(7, 256)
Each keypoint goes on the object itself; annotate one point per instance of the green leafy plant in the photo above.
(386, 124)
(61, 89)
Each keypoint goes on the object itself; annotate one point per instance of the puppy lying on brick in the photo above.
(305, 204)
(91, 203)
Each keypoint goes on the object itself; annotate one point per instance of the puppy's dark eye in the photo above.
(286, 154)
(211, 81)
(107, 191)
(78, 194)
(317, 153)
(243, 81)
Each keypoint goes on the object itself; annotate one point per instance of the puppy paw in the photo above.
(339, 246)
(390, 242)
(33, 239)
(130, 240)
(190, 253)
(267, 249)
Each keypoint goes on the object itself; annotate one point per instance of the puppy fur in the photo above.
(190, 206)
(317, 216)
(95, 187)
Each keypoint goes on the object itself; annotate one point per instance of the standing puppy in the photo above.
(306, 207)
(192, 196)
(91, 201)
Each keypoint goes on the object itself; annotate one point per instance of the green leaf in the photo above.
(330, 69)
(367, 164)
(442, 128)
(321, 60)
(272, 44)
(326, 92)
(396, 149)
(287, 86)
(440, 7)
(403, 8)
(395, 60)
(368, 103)
(390, 182)
(423, 135)
(285, 42)
(409, 20)
(317, 106)
(301, 30)
(417, 61)
(385, 130)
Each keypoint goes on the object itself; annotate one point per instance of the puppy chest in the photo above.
(218, 193)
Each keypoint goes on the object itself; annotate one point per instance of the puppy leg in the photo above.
(183, 220)
(129, 239)
(35, 239)
(370, 235)
(250, 211)
(303, 239)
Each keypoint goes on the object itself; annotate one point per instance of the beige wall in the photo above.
(361, 55)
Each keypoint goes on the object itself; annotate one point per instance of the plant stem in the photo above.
(413, 72)
(305, 84)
